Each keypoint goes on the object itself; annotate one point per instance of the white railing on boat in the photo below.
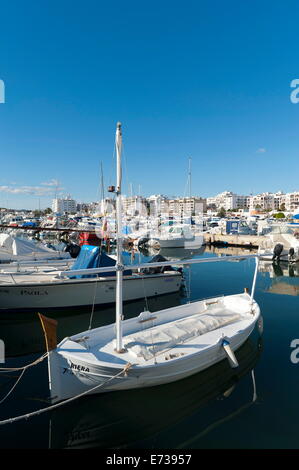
(91, 271)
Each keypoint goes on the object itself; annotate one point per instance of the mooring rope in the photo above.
(93, 303)
(13, 387)
(144, 293)
(68, 400)
(94, 294)
(15, 369)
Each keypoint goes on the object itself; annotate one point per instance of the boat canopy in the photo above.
(92, 257)
(6, 241)
(19, 246)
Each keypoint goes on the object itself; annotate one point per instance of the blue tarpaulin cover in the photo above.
(126, 230)
(29, 224)
(91, 257)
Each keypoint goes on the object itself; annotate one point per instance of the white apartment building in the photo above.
(279, 200)
(188, 205)
(229, 200)
(134, 205)
(292, 201)
(262, 201)
(63, 205)
(275, 201)
(158, 204)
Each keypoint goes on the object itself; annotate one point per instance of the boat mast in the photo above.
(119, 262)
(189, 176)
(102, 191)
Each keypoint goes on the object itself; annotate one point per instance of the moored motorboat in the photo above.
(39, 288)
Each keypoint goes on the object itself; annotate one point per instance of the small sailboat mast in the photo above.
(189, 176)
(119, 262)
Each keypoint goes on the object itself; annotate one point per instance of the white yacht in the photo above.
(176, 236)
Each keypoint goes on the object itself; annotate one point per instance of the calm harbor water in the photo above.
(254, 406)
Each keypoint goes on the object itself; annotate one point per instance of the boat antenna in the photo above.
(102, 194)
(119, 262)
(190, 188)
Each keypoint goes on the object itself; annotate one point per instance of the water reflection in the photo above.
(22, 333)
(230, 250)
(280, 278)
(135, 418)
(173, 253)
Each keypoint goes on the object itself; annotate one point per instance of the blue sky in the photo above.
(210, 80)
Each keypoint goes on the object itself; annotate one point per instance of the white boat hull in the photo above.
(71, 373)
(267, 255)
(83, 292)
(195, 242)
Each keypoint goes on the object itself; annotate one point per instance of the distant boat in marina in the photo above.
(281, 244)
(20, 249)
(176, 236)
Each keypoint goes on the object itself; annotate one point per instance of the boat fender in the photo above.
(260, 325)
(230, 354)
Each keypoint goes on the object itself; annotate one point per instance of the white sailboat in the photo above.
(151, 349)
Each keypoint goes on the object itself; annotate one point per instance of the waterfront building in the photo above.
(63, 205)
(134, 205)
(158, 204)
(187, 205)
(228, 200)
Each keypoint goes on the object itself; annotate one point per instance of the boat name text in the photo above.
(34, 292)
(78, 367)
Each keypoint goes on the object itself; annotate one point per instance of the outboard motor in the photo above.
(158, 269)
(291, 254)
(277, 252)
(73, 249)
(142, 241)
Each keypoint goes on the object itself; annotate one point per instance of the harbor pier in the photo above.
(253, 241)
